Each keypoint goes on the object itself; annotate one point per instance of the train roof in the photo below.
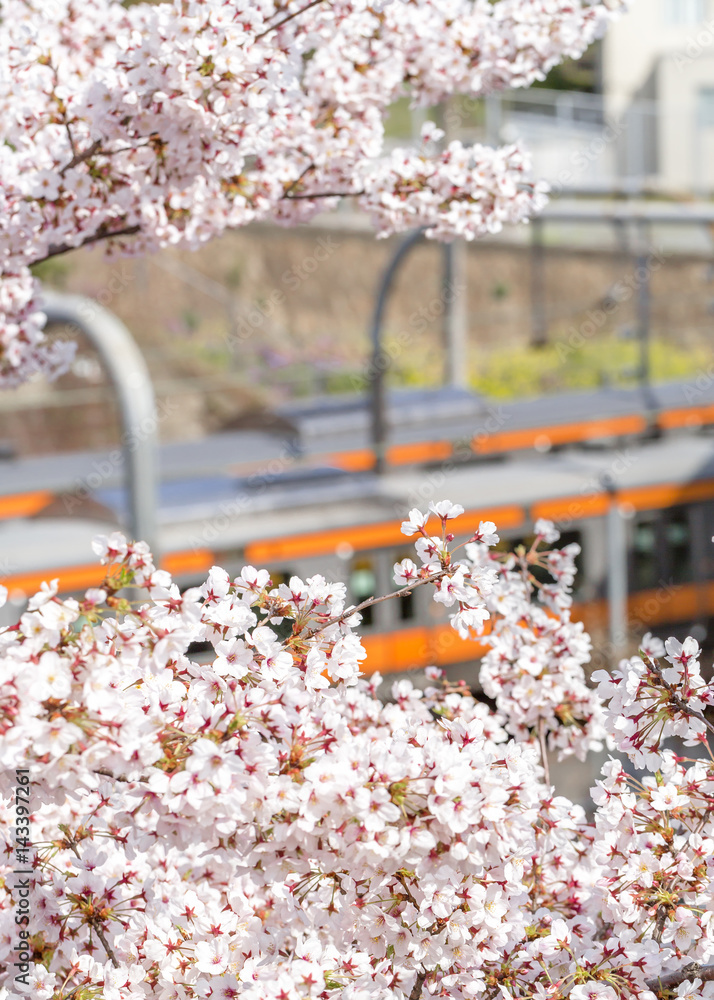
(329, 430)
(209, 518)
(527, 484)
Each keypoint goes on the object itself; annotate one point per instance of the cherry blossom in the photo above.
(166, 124)
(260, 823)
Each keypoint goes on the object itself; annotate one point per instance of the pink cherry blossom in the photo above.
(261, 823)
(167, 124)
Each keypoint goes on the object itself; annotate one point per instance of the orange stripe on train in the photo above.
(24, 504)
(77, 578)
(382, 534)
(558, 434)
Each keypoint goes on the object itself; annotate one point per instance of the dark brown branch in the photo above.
(418, 984)
(660, 923)
(107, 947)
(55, 250)
(543, 750)
(105, 772)
(96, 924)
(325, 194)
(285, 20)
(371, 601)
(81, 157)
(293, 184)
(673, 979)
(71, 141)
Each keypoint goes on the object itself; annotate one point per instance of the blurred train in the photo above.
(301, 498)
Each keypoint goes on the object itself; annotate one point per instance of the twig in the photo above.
(371, 601)
(105, 772)
(674, 979)
(71, 141)
(285, 20)
(55, 250)
(96, 923)
(660, 922)
(325, 194)
(543, 750)
(293, 184)
(418, 984)
(81, 157)
(675, 698)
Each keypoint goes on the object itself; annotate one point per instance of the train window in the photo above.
(661, 548)
(406, 609)
(645, 560)
(705, 548)
(678, 542)
(279, 576)
(363, 585)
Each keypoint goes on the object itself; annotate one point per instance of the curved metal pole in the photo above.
(130, 377)
(379, 362)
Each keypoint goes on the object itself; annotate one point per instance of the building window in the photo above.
(683, 11)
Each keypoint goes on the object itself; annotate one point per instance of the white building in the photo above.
(658, 81)
(652, 127)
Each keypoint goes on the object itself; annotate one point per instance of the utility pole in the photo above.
(454, 281)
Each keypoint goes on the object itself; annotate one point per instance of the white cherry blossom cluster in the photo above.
(534, 669)
(168, 123)
(257, 823)
(648, 704)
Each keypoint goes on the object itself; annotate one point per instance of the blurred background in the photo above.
(562, 369)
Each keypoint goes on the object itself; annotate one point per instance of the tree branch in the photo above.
(325, 194)
(80, 157)
(543, 750)
(56, 249)
(293, 184)
(673, 979)
(371, 601)
(95, 922)
(286, 19)
(106, 773)
(418, 984)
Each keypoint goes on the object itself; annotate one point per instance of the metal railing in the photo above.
(581, 140)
